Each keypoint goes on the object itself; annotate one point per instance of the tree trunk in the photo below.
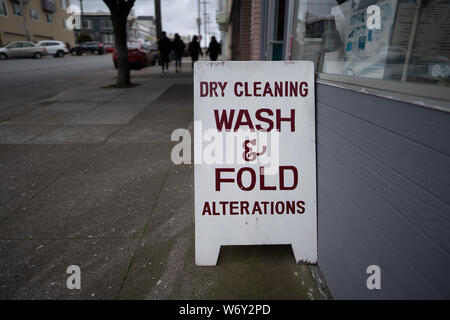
(120, 31)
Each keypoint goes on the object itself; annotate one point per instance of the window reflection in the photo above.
(412, 43)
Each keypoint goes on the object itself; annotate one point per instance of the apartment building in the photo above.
(99, 26)
(148, 25)
(34, 20)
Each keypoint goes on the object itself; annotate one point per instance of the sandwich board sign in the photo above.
(255, 158)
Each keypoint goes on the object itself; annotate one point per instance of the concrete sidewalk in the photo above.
(87, 180)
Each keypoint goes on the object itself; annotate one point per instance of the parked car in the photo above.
(22, 49)
(88, 47)
(109, 48)
(154, 50)
(55, 48)
(138, 57)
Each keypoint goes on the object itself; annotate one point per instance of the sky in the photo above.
(177, 15)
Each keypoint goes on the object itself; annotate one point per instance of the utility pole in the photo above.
(81, 16)
(158, 18)
(205, 14)
(199, 20)
(24, 20)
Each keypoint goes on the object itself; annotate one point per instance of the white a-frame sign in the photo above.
(255, 158)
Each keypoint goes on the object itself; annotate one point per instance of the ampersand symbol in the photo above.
(250, 155)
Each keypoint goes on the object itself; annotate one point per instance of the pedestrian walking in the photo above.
(178, 49)
(194, 50)
(214, 49)
(164, 47)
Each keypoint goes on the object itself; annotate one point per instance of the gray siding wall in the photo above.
(383, 171)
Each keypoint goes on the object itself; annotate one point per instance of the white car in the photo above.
(55, 48)
(22, 49)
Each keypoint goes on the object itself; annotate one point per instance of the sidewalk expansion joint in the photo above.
(147, 223)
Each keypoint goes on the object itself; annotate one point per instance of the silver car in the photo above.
(22, 49)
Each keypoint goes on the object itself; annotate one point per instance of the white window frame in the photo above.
(5, 6)
(31, 15)
(63, 4)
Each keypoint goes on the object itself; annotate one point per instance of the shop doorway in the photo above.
(275, 32)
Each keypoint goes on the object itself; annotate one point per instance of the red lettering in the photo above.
(222, 86)
(213, 88)
(301, 207)
(252, 180)
(268, 90)
(206, 209)
(240, 122)
(278, 89)
(293, 88)
(219, 178)
(290, 207)
(277, 207)
(257, 88)
(256, 207)
(203, 88)
(290, 119)
(238, 94)
(295, 176)
(224, 120)
(303, 89)
(244, 207)
(224, 206)
(262, 181)
(234, 207)
(247, 94)
(215, 212)
(261, 118)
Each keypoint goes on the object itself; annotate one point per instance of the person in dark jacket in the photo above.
(213, 49)
(194, 50)
(178, 49)
(164, 47)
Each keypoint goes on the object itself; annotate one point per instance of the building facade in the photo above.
(147, 27)
(222, 14)
(40, 20)
(99, 26)
(382, 117)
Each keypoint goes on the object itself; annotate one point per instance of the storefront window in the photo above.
(341, 37)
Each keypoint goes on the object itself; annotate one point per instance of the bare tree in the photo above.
(119, 12)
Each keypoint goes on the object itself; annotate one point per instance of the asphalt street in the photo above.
(28, 72)
(26, 81)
